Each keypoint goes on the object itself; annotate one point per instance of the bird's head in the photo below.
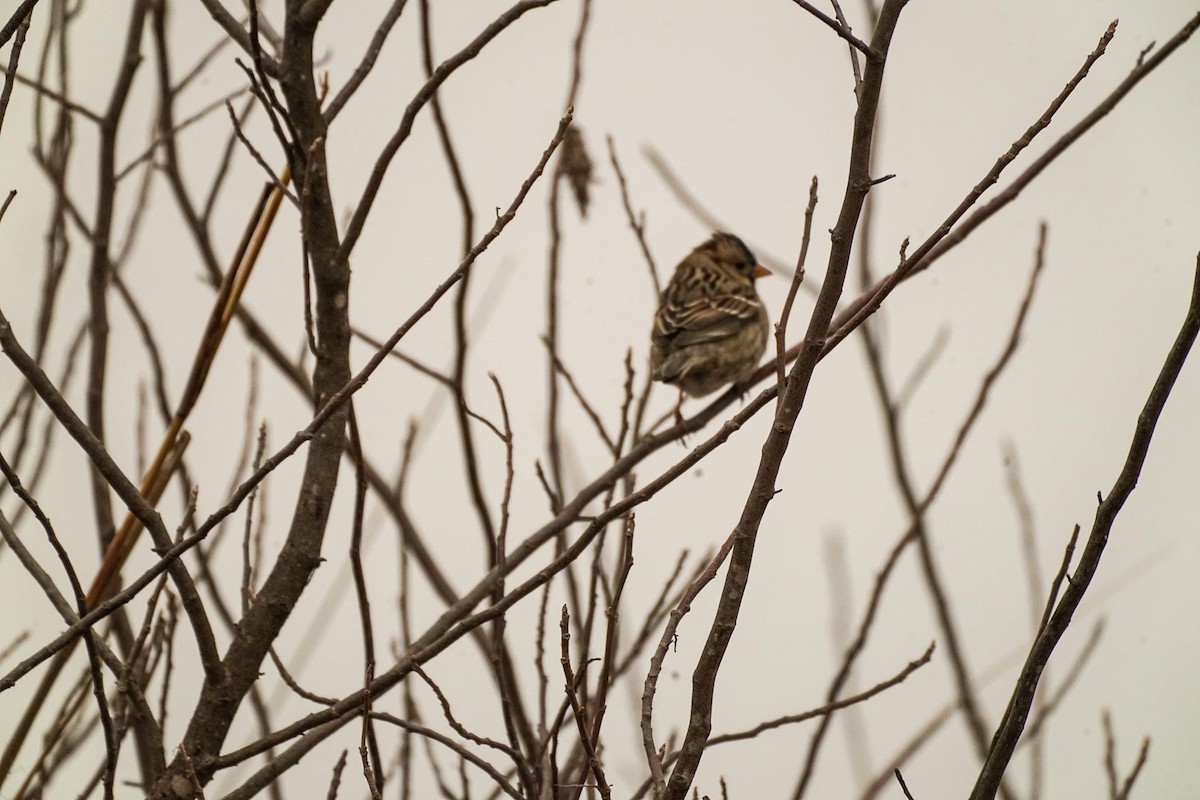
(729, 250)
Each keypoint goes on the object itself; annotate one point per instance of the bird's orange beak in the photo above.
(760, 271)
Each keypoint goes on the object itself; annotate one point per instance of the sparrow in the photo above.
(711, 327)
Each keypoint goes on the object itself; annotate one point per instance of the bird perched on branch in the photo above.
(710, 328)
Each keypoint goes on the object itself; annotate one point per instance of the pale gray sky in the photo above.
(747, 101)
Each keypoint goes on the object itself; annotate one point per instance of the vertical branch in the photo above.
(923, 505)
(515, 716)
(301, 553)
(371, 773)
(612, 629)
(458, 375)
(654, 755)
(637, 224)
(53, 159)
(375, 772)
(106, 191)
(598, 706)
(797, 280)
(841, 605)
(553, 443)
(793, 393)
(89, 638)
(1033, 573)
(578, 710)
(1009, 731)
(404, 616)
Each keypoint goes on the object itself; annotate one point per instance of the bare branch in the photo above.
(792, 396)
(840, 29)
(1016, 715)
(444, 70)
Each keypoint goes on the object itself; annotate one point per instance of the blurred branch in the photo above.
(1117, 789)
(1036, 581)
(690, 202)
(45, 91)
(921, 370)
(841, 632)
(636, 224)
(1009, 731)
(913, 532)
(1000, 669)
(976, 725)
(237, 33)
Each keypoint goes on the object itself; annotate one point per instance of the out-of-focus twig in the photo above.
(1016, 715)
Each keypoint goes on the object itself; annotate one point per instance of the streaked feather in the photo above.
(710, 327)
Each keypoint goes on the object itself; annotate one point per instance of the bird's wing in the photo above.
(703, 319)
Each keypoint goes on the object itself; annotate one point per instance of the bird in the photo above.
(710, 328)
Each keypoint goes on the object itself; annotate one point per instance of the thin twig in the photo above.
(797, 279)
(854, 66)
(355, 226)
(336, 778)
(580, 714)
(446, 741)
(187, 122)
(923, 367)
(587, 407)
(690, 202)
(792, 719)
(1036, 584)
(829, 708)
(653, 755)
(458, 727)
(1000, 669)
(839, 28)
(636, 224)
(20, 20)
(370, 55)
(272, 178)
